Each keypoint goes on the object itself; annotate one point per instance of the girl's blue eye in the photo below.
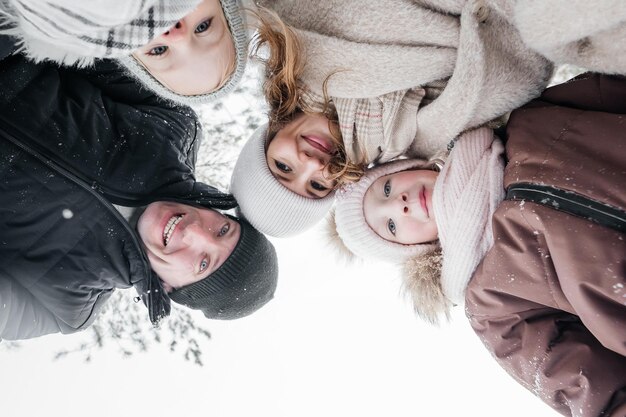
(387, 188)
(204, 265)
(391, 226)
(158, 50)
(203, 27)
(282, 167)
(317, 186)
(224, 230)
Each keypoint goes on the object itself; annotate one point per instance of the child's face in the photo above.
(196, 55)
(398, 207)
(184, 243)
(299, 154)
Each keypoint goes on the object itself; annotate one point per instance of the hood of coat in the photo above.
(421, 276)
(421, 283)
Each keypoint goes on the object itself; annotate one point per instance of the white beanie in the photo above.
(235, 17)
(354, 231)
(268, 205)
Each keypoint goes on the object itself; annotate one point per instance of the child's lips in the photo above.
(423, 201)
(319, 143)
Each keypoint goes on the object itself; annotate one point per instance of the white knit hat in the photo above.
(354, 231)
(268, 205)
(235, 17)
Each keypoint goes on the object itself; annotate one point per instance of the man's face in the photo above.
(185, 244)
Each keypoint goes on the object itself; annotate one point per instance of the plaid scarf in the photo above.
(88, 29)
(377, 129)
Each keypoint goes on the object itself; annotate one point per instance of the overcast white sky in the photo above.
(334, 342)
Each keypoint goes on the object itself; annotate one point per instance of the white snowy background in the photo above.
(337, 340)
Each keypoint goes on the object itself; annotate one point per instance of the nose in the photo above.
(176, 32)
(311, 159)
(310, 164)
(195, 235)
(405, 204)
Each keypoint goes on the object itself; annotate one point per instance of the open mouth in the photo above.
(319, 143)
(170, 226)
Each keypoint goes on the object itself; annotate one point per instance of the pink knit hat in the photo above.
(354, 231)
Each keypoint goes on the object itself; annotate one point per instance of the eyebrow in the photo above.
(313, 195)
(282, 177)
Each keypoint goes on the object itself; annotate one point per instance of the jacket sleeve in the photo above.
(537, 328)
(552, 354)
(21, 315)
(590, 91)
(102, 124)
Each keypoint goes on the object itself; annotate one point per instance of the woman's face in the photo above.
(196, 55)
(186, 244)
(299, 154)
(398, 207)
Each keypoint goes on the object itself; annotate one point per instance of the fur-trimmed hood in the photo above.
(421, 276)
(421, 283)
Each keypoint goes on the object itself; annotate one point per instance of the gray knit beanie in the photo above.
(354, 231)
(244, 283)
(268, 205)
(235, 17)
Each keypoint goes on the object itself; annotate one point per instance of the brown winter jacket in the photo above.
(549, 298)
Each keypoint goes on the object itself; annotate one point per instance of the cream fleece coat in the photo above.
(383, 47)
(590, 34)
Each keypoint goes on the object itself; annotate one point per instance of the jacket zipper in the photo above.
(571, 203)
(91, 189)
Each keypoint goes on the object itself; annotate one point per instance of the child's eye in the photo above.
(387, 188)
(317, 186)
(224, 230)
(282, 166)
(158, 50)
(203, 27)
(204, 265)
(391, 226)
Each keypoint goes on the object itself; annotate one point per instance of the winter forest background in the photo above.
(123, 330)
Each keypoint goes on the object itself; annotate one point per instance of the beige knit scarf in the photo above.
(466, 194)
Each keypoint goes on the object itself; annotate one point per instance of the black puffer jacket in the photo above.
(71, 144)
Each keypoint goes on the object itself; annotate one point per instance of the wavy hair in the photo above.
(285, 92)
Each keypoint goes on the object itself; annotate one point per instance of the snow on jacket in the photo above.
(549, 298)
(382, 54)
(72, 143)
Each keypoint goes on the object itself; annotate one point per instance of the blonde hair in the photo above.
(285, 92)
(232, 64)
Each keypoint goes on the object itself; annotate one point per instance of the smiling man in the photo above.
(207, 260)
(99, 194)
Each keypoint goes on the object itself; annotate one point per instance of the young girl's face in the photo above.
(398, 207)
(196, 55)
(299, 154)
